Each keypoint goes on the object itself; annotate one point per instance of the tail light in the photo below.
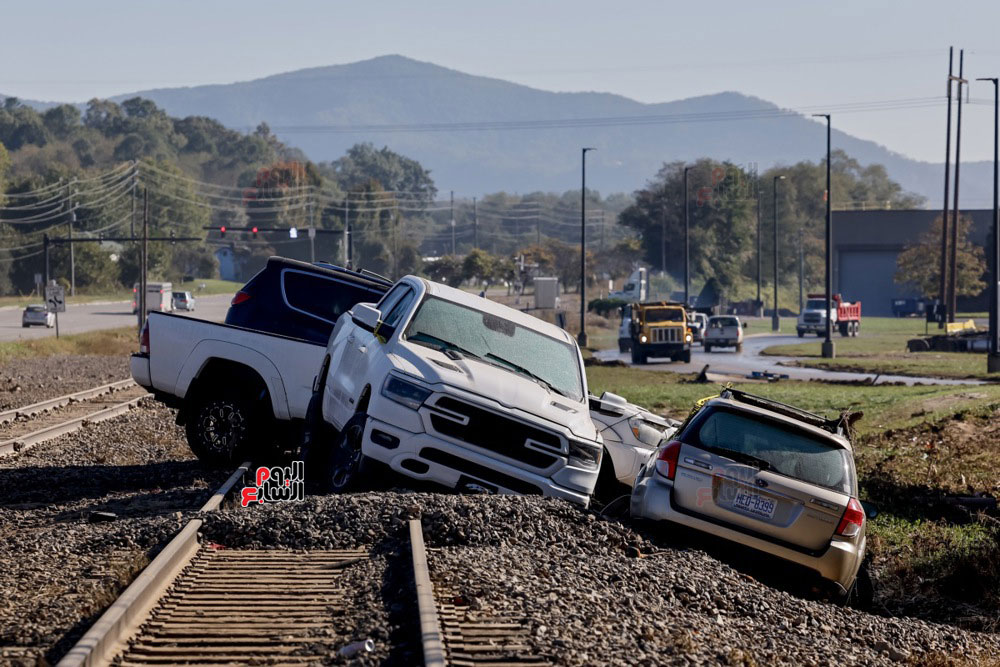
(144, 339)
(666, 459)
(239, 298)
(853, 520)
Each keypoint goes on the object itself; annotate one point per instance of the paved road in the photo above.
(728, 362)
(93, 316)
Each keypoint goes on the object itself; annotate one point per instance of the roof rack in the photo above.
(835, 426)
(377, 276)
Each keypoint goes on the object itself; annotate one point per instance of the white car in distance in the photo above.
(451, 388)
(631, 434)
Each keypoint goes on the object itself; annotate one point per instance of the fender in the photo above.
(208, 349)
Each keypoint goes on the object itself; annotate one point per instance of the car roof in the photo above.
(738, 406)
(486, 305)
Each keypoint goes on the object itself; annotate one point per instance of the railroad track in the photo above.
(201, 603)
(25, 427)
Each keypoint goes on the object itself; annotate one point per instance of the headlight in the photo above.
(687, 338)
(642, 338)
(585, 453)
(405, 393)
(645, 432)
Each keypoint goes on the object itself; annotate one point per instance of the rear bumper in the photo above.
(722, 342)
(139, 365)
(425, 457)
(837, 565)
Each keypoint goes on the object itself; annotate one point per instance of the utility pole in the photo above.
(801, 269)
(993, 355)
(663, 236)
(453, 223)
(582, 338)
(953, 276)
(475, 222)
(72, 255)
(347, 233)
(775, 320)
(943, 291)
(602, 230)
(759, 305)
(829, 350)
(312, 231)
(395, 251)
(143, 258)
(687, 241)
(134, 194)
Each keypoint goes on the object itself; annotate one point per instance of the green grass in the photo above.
(212, 286)
(885, 406)
(107, 342)
(881, 348)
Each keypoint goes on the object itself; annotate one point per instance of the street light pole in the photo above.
(758, 305)
(775, 321)
(993, 356)
(943, 291)
(582, 338)
(828, 348)
(953, 276)
(801, 269)
(687, 241)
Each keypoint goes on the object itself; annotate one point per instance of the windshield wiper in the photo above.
(742, 457)
(524, 371)
(442, 344)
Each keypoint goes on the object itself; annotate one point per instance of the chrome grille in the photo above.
(665, 335)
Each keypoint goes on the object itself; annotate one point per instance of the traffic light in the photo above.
(222, 231)
(254, 230)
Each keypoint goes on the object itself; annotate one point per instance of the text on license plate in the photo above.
(753, 504)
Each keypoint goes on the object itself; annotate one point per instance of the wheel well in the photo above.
(226, 375)
(366, 394)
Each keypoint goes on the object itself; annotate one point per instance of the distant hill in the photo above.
(394, 90)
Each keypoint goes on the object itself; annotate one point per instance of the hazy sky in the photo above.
(797, 54)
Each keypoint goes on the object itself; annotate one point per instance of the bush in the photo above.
(605, 307)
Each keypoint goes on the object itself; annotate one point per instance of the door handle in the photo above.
(362, 349)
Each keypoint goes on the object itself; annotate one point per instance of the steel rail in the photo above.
(99, 645)
(58, 402)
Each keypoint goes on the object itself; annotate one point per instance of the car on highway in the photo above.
(771, 477)
(243, 387)
(450, 388)
(698, 324)
(37, 315)
(630, 433)
(183, 301)
(724, 331)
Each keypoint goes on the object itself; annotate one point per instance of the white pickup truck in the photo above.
(447, 387)
(243, 386)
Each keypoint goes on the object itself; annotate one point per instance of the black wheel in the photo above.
(686, 357)
(637, 356)
(844, 327)
(708, 348)
(622, 347)
(222, 429)
(856, 326)
(800, 332)
(739, 348)
(347, 464)
(608, 487)
(862, 592)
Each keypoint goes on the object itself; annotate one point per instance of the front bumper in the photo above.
(661, 349)
(812, 326)
(427, 457)
(838, 564)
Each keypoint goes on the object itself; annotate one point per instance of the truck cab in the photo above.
(636, 287)
(660, 329)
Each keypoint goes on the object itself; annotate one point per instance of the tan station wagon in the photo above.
(768, 476)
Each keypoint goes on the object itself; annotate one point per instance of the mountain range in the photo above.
(478, 134)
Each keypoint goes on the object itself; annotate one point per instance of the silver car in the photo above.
(631, 433)
(37, 315)
(182, 301)
(768, 476)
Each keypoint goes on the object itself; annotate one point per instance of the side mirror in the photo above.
(366, 316)
(871, 509)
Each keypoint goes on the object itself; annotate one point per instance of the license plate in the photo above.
(751, 503)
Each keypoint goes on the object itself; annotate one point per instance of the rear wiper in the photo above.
(524, 371)
(742, 457)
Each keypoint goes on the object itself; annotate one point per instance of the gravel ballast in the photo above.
(27, 381)
(79, 517)
(593, 590)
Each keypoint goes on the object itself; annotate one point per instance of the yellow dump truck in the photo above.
(660, 329)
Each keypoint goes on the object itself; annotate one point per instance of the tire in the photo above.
(638, 357)
(686, 357)
(24, 326)
(856, 329)
(708, 347)
(862, 593)
(800, 332)
(739, 348)
(844, 327)
(223, 429)
(608, 487)
(347, 467)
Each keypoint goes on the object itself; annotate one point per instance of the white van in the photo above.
(159, 297)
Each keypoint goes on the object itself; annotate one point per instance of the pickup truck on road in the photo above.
(451, 388)
(247, 383)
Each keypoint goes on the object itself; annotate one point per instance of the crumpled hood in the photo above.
(510, 389)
